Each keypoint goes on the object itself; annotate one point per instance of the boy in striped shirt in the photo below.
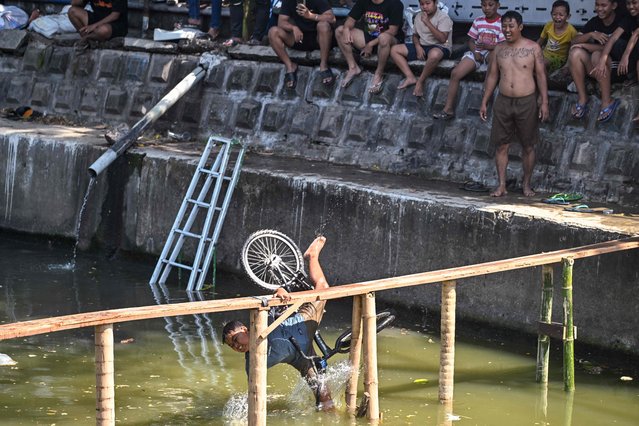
(484, 34)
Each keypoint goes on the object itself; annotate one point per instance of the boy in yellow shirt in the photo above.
(556, 37)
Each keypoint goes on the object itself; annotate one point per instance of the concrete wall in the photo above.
(377, 226)
(393, 131)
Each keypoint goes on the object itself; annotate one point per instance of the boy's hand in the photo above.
(282, 294)
(425, 18)
(367, 51)
(421, 54)
(600, 38)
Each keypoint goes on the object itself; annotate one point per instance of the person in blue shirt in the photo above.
(301, 325)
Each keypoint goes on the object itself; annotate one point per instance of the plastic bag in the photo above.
(12, 18)
(53, 24)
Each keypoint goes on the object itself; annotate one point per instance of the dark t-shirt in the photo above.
(374, 19)
(103, 8)
(306, 25)
(596, 24)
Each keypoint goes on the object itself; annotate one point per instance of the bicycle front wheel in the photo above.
(271, 259)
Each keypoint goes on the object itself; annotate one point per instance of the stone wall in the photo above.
(393, 131)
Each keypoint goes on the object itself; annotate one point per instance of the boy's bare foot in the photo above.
(406, 83)
(35, 14)
(419, 89)
(315, 248)
(528, 192)
(350, 76)
(192, 21)
(500, 191)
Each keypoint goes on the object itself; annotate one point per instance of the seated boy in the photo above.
(556, 37)
(432, 40)
(483, 36)
(303, 26)
(602, 41)
(302, 325)
(371, 25)
(108, 19)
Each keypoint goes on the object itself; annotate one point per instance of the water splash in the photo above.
(236, 409)
(335, 379)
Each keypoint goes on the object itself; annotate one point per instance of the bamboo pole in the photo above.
(569, 331)
(445, 413)
(354, 356)
(257, 368)
(371, 384)
(104, 376)
(447, 348)
(545, 315)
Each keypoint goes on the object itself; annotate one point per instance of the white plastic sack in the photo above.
(12, 18)
(53, 24)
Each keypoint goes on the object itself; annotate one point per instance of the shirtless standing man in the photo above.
(519, 64)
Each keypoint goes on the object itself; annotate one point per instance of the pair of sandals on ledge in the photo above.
(290, 78)
(580, 110)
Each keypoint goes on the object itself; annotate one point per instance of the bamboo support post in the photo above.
(371, 384)
(355, 354)
(257, 368)
(104, 376)
(447, 348)
(543, 341)
(445, 413)
(569, 331)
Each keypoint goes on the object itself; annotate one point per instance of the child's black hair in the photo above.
(561, 3)
(228, 327)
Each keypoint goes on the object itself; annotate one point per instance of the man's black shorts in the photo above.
(309, 42)
(119, 28)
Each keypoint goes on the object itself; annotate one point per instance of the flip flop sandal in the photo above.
(563, 198)
(473, 186)
(581, 208)
(607, 113)
(443, 115)
(231, 43)
(377, 88)
(290, 79)
(580, 111)
(327, 77)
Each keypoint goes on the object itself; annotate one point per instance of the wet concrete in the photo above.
(378, 224)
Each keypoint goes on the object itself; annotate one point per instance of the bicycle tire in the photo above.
(343, 342)
(271, 259)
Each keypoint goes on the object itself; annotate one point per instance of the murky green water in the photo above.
(175, 371)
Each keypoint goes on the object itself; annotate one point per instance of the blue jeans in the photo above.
(216, 12)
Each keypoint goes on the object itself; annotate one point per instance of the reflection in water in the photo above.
(190, 378)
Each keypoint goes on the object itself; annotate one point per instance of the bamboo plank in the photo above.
(569, 331)
(447, 345)
(257, 368)
(287, 313)
(371, 383)
(545, 316)
(355, 354)
(104, 376)
(90, 319)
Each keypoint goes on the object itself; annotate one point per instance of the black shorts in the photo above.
(412, 51)
(615, 56)
(515, 120)
(119, 28)
(309, 42)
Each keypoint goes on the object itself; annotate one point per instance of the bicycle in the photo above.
(272, 260)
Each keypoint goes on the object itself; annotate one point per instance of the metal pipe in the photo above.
(124, 142)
